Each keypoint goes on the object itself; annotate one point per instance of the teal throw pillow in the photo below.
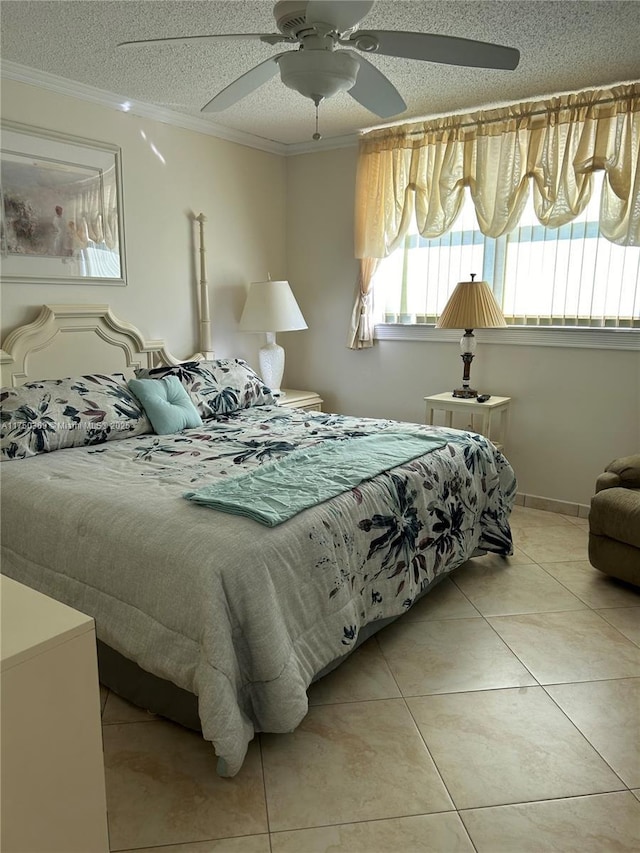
(166, 403)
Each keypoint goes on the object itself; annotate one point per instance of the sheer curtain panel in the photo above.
(553, 147)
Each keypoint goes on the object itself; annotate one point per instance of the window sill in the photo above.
(624, 339)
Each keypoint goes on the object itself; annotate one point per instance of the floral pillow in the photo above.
(39, 417)
(217, 387)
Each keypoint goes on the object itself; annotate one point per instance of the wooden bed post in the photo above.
(203, 302)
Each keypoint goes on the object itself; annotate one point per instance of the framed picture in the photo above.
(61, 209)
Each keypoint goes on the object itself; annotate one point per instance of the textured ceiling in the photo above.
(566, 45)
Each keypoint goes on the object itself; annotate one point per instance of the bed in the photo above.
(211, 617)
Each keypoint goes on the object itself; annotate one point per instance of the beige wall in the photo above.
(573, 409)
(241, 191)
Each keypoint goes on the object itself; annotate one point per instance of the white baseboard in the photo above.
(551, 505)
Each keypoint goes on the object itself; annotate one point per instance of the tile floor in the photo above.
(501, 715)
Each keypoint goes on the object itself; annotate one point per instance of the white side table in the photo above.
(307, 400)
(53, 787)
(490, 419)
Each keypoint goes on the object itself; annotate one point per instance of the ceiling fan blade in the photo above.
(269, 38)
(374, 91)
(243, 86)
(341, 14)
(436, 48)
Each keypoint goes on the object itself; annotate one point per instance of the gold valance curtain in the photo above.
(422, 169)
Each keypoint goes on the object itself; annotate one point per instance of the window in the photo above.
(568, 276)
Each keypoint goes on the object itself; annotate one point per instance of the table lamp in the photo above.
(271, 307)
(471, 306)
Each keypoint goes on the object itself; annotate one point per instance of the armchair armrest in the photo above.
(623, 472)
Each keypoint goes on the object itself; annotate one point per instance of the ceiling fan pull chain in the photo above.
(317, 135)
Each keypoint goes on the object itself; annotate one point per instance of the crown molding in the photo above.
(348, 141)
(63, 86)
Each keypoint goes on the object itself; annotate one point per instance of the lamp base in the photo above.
(465, 393)
(271, 360)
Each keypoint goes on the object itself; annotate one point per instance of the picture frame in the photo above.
(61, 209)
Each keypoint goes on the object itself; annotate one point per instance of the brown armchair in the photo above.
(614, 520)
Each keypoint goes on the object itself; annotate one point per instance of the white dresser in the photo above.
(53, 790)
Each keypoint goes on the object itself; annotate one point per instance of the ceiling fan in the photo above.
(318, 69)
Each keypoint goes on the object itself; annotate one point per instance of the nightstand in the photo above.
(493, 416)
(307, 400)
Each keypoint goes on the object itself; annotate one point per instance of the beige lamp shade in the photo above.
(271, 307)
(472, 305)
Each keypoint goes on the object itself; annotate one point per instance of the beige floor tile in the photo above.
(559, 543)
(352, 762)
(364, 675)
(591, 586)
(608, 715)
(576, 645)
(604, 823)
(437, 833)
(118, 710)
(514, 589)
(518, 558)
(625, 619)
(444, 601)
(636, 793)
(508, 746)
(576, 519)
(449, 656)
(162, 788)
(525, 516)
(245, 844)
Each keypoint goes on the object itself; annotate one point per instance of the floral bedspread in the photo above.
(241, 615)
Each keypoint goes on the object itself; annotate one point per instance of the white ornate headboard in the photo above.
(69, 340)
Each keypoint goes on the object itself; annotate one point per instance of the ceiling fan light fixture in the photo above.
(318, 74)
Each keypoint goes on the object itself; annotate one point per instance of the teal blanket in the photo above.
(279, 490)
